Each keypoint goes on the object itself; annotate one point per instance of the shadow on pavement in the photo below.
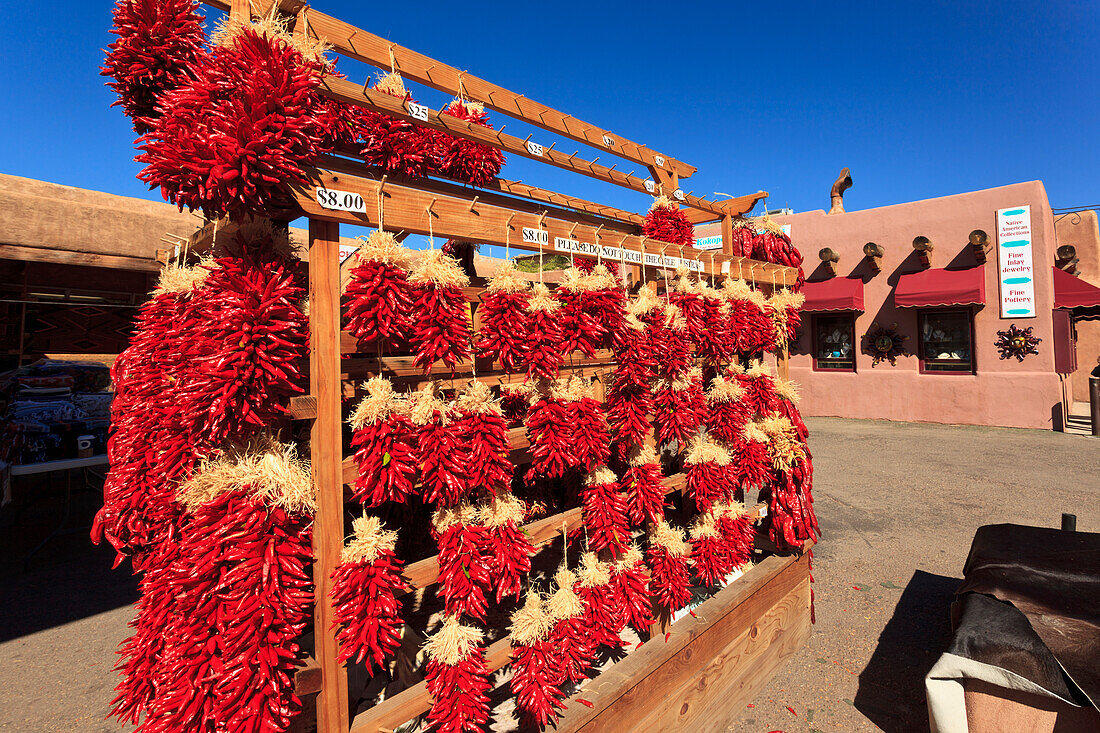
(891, 686)
(68, 579)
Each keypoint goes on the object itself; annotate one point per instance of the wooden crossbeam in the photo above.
(353, 93)
(509, 194)
(407, 208)
(358, 44)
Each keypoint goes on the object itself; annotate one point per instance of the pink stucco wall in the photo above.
(1081, 229)
(1002, 392)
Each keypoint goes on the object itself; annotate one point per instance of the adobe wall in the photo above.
(1005, 393)
(1080, 229)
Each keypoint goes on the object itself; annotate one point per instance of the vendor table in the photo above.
(65, 465)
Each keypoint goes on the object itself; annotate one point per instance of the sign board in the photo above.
(621, 254)
(347, 250)
(786, 228)
(341, 200)
(1016, 273)
(714, 242)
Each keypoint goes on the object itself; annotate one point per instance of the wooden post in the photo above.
(727, 234)
(326, 454)
(784, 362)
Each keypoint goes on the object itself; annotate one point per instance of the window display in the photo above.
(946, 341)
(834, 337)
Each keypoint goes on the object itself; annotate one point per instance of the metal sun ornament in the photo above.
(1016, 342)
(883, 344)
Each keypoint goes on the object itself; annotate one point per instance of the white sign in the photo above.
(608, 141)
(1017, 274)
(786, 228)
(714, 242)
(678, 194)
(649, 186)
(660, 161)
(341, 200)
(536, 236)
(534, 148)
(629, 256)
(418, 112)
(346, 250)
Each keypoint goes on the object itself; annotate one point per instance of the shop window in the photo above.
(834, 343)
(947, 341)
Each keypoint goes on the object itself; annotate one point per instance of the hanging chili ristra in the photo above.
(630, 576)
(505, 333)
(642, 484)
(393, 145)
(536, 674)
(508, 550)
(384, 445)
(464, 573)
(458, 678)
(604, 511)
(466, 160)
(709, 555)
(569, 635)
(365, 586)
(603, 611)
(438, 449)
(727, 410)
(670, 575)
(379, 297)
(680, 407)
(441, 317)
(547, 354)
(711, 475)
(482, 437)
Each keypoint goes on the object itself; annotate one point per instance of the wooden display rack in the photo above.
(694, 673)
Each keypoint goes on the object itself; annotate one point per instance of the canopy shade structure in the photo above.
(834, 294)
(941, 288)
(1074, 293)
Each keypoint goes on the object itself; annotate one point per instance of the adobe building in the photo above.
(921, 282)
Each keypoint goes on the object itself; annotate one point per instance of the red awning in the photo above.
(834, 294)
(939, 288)
(1073, 292)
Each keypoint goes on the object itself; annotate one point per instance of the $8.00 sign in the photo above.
(341, 200)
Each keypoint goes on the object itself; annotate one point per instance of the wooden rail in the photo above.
(352, 93)
(415, 210)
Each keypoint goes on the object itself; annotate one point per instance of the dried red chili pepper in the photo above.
(439, 450)
(664, 221)
(466, 160)
(547, 354)
(569, 635)
(231, 139)
(727, 411)
(515, 399)
(751, 458)
(365, 586)
(680, 407)
(738, 531)
(710, 557)
(711, 477)
(482, 437)
(759, 385)
(581, 329)
(393, 145)
(604, 613)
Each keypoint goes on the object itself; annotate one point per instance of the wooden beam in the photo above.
(325, 459)
(371, 49)
(70, 257)
(509, 194)
(353, 93)
(407, 208)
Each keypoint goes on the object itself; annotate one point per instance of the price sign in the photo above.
(418, 111)
(650, 186)
(660, 161)
(608, 141)
(341, 200)
(678, 194)
(536, 236)
(534, 148)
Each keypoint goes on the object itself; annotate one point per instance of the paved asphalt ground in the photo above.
(898, 503)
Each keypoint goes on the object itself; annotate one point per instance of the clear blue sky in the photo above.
(918, 99)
